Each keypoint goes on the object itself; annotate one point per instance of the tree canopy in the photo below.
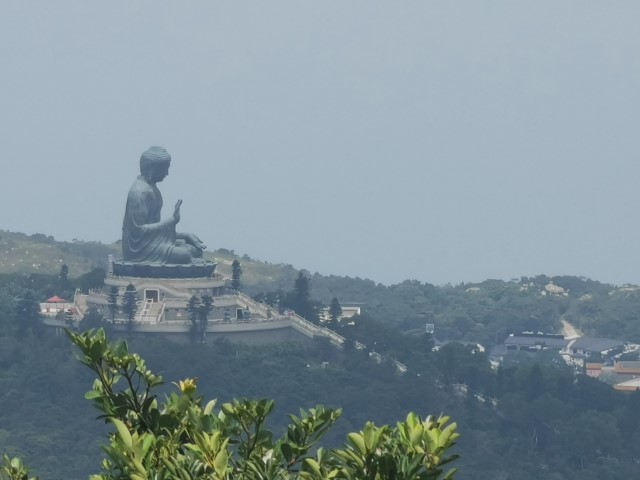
(236, 273)
(185, 437)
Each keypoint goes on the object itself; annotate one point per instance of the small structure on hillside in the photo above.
(593, 370)
(585, 347)
(628, 386)
(532, 342)
(54, 305)
(348, 311)
(626, 367)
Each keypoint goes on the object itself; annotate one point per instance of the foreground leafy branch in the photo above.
(185, 438)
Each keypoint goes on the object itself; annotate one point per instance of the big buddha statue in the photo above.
(149, 242)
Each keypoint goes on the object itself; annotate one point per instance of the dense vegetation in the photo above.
(545, 420)
(531, 418)
(184, 438)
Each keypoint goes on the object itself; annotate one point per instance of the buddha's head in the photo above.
(154, 164)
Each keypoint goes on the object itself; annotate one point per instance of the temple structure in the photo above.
(166, 268)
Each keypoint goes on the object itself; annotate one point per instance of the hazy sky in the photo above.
(441, 141)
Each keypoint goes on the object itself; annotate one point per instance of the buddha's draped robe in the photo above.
(145, 238)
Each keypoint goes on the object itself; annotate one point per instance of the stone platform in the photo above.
(162, 299)
(202, 269)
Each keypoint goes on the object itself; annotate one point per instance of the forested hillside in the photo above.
(531, 418)
(484, 312)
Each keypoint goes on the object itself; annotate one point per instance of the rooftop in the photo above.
(630, 385)
(534, 340)
(596, 344)
(627, 366)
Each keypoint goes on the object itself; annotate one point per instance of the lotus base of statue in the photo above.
(203, 269)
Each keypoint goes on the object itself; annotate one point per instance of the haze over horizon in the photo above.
(437, 141)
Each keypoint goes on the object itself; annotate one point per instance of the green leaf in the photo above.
(208, 409)
(148, 441)
(120, 348)
(446, 434)
(91, 394)
(97, 350)
(123, 432)
(139, 467)
(228, 409)
(220, 462)
(372, 436)
(357, 441)
(412, 419)
(313, 465)
(450, 474)
(287, 452)
(416, 435)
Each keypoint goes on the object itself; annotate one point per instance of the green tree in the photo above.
(204, 309)
(112, 299)
(236, 273)
(300, 299)
(335, 310)
(92, 319)
(192, 310)
(302, 288)
(534, 385)
(130, 305)
(93, 279)
(185, 438)
(277, 299)
(199, 310)
(28, 314)
(63, 278)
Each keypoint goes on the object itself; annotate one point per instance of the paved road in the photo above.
(568, 330)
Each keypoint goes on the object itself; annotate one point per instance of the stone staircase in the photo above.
(149, 312)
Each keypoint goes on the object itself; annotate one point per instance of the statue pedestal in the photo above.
(163, 299)
(202, 269)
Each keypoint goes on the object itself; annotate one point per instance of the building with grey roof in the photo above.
(630, 367)
(586, 346)
(533, 342)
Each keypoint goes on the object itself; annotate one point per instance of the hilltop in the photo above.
(39, 253)
(484, 312)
